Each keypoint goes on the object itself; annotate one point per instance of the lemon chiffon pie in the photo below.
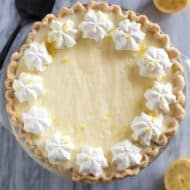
(95, 92)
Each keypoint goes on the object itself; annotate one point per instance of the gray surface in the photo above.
(19, 172)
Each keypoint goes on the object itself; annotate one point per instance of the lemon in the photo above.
(177, 176)
(170, 6)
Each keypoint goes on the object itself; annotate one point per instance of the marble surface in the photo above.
(19, 172)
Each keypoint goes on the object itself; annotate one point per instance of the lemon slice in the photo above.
(170, 6)
(177, 176)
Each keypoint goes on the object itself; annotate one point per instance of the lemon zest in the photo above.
(66, 60)
(142, 49)
(88, 157)
(147, 130)
(65, 27)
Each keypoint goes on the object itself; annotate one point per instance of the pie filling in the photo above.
(94, 92)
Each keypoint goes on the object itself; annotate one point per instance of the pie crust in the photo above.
(177, 109)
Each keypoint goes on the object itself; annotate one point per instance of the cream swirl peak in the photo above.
(147, 128)
(36, 57)
(155, 63)
(36, 120)
(28, 87)
(96, 25)
(160, 96)
(126, 154)
(128, 36)
(62, 33)
(91, 161)
(59, 148)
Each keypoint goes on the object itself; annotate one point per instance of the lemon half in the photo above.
(170, 6)
(177, 176)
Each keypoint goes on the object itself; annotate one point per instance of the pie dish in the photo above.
(95, 92)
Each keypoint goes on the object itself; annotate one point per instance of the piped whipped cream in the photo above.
(96, 25)
(155, 63)
(91, 161)
(146, 128)
(36, 120)
(28, 87)
(128, 36)
(59, 148)
(62, 33)
(126, 154)
(160, 96)
(36, 57)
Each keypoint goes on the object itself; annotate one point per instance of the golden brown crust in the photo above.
(177, 110)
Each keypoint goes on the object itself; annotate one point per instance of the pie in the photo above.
(95, 91)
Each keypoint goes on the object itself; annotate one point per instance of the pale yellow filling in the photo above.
(92, 91)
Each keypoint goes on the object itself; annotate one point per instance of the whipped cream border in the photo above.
(96, 25)
(126, 154)
(147, 128)
(36, 120)
(62, 33)
(59, 148)
(128, 36)
(91, 160)
(160, 97)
